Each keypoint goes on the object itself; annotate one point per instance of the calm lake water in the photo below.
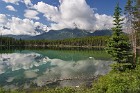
(38, 68)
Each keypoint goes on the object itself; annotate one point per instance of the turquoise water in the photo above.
(38, 68)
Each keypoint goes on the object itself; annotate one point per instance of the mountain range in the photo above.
(63, 34)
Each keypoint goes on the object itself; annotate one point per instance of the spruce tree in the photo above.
(118, 45)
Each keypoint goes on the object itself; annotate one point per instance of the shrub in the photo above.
(119, 82)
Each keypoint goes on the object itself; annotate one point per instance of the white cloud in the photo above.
(17, 26)
(12, 1)
(50, 12)
(27, 2)
(11, 8)
(3, 19)
(103, 21)
(31, 14)
(73, 13)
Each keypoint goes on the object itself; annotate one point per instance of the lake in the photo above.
(52, 68)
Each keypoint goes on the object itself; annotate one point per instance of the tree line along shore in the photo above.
(85, 42)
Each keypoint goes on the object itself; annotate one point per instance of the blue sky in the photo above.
(106, 6)
(57, 14)
(103, 6)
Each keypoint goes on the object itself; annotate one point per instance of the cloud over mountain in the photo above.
(74, 13)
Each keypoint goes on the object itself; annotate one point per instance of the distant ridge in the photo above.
(69, 33)
(63, 34)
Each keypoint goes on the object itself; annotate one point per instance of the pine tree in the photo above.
(118, 46)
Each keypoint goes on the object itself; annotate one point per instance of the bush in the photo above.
(119, 82)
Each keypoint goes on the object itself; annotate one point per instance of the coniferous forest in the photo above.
(93, 41)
